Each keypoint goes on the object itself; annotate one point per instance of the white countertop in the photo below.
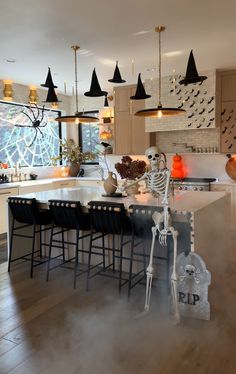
(182, 201)
(44, 181)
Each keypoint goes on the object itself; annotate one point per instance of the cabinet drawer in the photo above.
(90, 183)
(63, 184)
(222, 187)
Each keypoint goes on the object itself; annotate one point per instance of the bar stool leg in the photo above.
(131, 265)
(63, 244)
(40, 241)
(50, 252)
(113, 253)
(11, 245)
(121, 256)
(33, 250)
(89, 259)
(103, 253)
(76, 256)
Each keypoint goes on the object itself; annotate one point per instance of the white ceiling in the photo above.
(39, 33)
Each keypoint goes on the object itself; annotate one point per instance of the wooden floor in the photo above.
(50, 328)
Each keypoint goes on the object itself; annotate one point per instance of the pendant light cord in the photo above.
(75, 48)
(159, 38)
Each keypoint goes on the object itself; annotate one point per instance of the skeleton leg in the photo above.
(150, 271)
(174, 298)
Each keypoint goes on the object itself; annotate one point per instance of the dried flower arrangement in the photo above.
(71, 152)
(130, 169)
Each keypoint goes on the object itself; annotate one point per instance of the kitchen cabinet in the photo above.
(89, 183)
(35, 188)
(231, 188)
(4, 194)
(227, 84)
(130, 137)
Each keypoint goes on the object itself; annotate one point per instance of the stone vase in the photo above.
(74, 168)
(132, 190)
(110, 183)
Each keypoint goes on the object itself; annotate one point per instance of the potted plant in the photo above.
(72, 156)
(130, 170)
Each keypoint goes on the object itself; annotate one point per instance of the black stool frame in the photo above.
(25, 210)
(108, 218)
(66, 216)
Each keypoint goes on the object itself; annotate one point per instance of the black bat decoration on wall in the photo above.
(192, 91)
(201, 101)
(223, 132)
(198, 92)
(198, 127)
(192, 104)
(211, 119)
(191, 115)
(187, 98)
(190, 124)
(202, 111)
(178, 92)
(227, 120)
(200, 83)
(222, 113)
(209, 124)
(211, 99)
(211, 110)
(180, 106)
(230, 146)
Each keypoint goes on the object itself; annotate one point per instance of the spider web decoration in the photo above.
(22, 142)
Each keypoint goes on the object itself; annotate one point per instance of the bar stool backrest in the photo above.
(141, 219)
(67, 214)
(23, 210)
(108, 217)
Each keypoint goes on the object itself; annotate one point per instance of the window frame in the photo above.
(81, 137)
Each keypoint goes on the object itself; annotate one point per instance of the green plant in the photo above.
(71, 152)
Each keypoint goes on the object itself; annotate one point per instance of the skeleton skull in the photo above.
(153, 155)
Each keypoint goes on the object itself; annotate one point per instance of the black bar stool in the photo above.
(142, 223)
(66, 216)
(27, 211)
(108, 218)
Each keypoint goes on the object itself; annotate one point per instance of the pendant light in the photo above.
(159, 111)
(77, 117)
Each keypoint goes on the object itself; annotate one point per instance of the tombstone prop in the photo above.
(192, 286)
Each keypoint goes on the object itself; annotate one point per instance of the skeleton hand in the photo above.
(163, 237)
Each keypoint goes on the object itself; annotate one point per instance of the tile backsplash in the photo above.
(203, 141)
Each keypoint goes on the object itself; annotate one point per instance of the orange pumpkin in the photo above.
(177, 158)
(177, 165)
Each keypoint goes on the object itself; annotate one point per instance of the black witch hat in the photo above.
(106, 104)
(116, 77)
(95, 89)
(140, 93)
(191, 72)
(51, 96)
(49, 82)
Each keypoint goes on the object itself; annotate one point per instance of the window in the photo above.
(89, 136)
(20, 142)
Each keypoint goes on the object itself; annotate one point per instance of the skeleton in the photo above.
(158, 183)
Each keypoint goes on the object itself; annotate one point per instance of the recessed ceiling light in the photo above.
(11, 60)
(142, 32)
(151, 69)
(173, 53)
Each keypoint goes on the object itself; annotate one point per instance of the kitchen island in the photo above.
(206, 213)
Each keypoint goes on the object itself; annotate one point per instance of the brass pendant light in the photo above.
(78, 117)
(159, 111)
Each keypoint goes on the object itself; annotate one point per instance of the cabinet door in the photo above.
(123, 133)
(4, 194)
(122, 98)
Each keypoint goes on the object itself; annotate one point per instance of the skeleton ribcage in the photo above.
(156, 182)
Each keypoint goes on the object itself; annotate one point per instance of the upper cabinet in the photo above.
(129, 131)
(199, 101)
(227, 90)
